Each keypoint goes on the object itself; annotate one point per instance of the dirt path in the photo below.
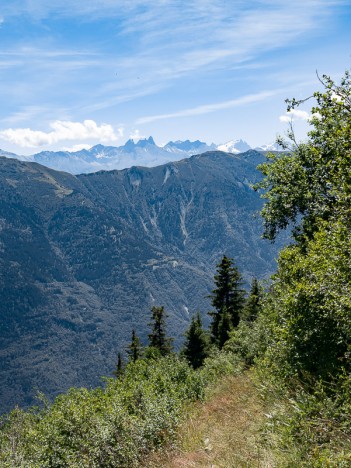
(223, 432)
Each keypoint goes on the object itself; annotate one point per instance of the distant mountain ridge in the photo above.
(144, 152)
(84, 258)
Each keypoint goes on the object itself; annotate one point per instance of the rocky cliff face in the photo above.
(83, 259)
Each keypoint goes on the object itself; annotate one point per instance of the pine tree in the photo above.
(227, 295)
(197, 342)
(253, 303)
(119, 371)
(224, 328)
(158, 338)
(134, 350)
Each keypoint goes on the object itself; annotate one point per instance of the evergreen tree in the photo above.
(158, 338)
(134, 350)
(224, 328)
(228, 295)
(119, 371)
(197, 342)
(253, 303)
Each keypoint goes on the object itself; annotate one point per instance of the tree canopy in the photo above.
(311, 182)
(310, 187)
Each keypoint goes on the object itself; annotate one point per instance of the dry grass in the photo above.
(223, 432)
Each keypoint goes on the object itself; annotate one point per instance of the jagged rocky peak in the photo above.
(145, 142)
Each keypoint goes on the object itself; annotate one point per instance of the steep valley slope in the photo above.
(84, 258)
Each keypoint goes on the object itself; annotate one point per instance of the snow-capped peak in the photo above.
(234, 146)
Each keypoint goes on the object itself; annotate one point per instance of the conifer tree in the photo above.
(228, 295)
(253, 303)
(197, 342)
(158, 338)
(134, 350)
(224, 328)
(119, 371)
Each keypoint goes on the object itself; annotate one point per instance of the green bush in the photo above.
(114, 426)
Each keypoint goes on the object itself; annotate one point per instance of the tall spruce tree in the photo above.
(228, 296)
(196, 344)
(158, 338)
(134, 350)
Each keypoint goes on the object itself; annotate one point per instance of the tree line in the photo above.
(230, 306)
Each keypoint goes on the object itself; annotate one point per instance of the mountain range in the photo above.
(144, 152)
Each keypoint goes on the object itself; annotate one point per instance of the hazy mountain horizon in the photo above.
(135, 152)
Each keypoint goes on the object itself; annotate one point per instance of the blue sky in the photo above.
(76, 73)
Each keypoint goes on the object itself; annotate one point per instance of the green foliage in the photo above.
(158, 338)
(312, 312)
(312, 180)
(227, 299)
(196, 346)
(220, 363)
(115, 426)
(311, 305)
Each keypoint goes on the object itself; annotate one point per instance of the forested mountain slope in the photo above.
(83, 258)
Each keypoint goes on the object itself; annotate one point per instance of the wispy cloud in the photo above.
(61, 131)
(170, 39)
(114, 52)
(208, 108)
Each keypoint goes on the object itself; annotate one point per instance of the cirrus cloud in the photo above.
(62, 130)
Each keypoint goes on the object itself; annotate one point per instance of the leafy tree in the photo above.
(310, 188)
(158, 338)
(134, 350)
(253, 303)
(312, 180)
(197, 342)
(228, 295)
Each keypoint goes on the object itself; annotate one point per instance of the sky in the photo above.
(76, 73)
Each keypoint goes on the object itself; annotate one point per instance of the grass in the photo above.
(222, 432)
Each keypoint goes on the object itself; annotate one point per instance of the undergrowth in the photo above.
(117, 425)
